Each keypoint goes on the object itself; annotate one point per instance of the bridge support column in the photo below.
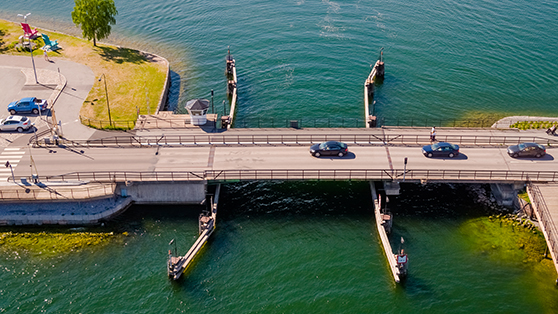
(505, 194)
(391, 187)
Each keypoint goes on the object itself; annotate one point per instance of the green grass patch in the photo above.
(527, 125)
(50, 244)
(524, 196)
(506, 239)
(134, 80)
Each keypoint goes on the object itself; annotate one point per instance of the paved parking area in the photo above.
(17, 80)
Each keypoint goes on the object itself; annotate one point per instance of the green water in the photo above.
(284, 248)
(309, 59)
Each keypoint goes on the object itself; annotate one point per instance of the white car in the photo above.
(15, 123)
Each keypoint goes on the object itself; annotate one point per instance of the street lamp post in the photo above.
(30, 47)
(106, 96)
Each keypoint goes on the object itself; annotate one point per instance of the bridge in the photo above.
(169, 165)
(282, 154)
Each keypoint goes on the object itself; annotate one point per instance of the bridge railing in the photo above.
(63, 193)
(124, 176)
(312, 174)
(297, 139)
(544, 217)
(268, 122)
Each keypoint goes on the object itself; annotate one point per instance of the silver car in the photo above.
(15, 123)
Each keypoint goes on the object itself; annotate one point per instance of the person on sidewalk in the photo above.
(46, 55)
(433, 134)
(552, 130)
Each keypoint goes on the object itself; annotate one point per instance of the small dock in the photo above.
(171, 120)
(397, 262)
(231, 90)
(177, 265)
(376, 72)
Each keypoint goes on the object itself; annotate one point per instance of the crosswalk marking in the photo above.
(13, 155)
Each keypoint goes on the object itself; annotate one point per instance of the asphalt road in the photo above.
(56, 161)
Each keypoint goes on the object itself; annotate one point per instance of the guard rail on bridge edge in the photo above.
(545, 219)
(292, 139)
(480, 176)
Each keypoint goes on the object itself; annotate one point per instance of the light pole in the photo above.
(30, 47)
(106, 96)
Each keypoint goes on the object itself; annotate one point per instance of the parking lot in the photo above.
(17, 80)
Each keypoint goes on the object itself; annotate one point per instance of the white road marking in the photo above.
(13, 155)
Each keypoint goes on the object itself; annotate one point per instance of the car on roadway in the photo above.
(329, 148)
(527, 150)
(441, 149)
(27, 104)
(15, 123)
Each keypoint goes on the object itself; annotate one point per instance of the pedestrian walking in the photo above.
(433, 134)
(46, 55)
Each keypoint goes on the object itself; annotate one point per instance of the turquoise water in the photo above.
(312, 247)
(284, 248)
(310, 58)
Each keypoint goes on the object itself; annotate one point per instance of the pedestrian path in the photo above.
(11, 156)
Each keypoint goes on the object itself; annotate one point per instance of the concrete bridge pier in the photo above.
(391, 187)
(504, 193)
(186, 192)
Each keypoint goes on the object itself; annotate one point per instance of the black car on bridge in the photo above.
(441, 149)
(527, 150)
(330, 148)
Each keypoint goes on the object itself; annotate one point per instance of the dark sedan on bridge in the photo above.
(441, 149)
(330, 148)
(527, 150)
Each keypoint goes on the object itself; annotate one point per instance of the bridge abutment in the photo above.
(505, 194)
(184, 192)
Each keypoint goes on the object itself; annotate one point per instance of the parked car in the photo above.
(330, 148)
(441, 149)
(15, 123)
(527, 150)
(27, 104)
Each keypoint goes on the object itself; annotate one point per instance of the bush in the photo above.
(524, 125)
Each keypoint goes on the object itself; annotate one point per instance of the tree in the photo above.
(94, 17)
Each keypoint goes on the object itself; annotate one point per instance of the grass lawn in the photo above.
(132, 77)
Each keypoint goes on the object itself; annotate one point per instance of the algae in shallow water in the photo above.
(52, 243)
(506, 239)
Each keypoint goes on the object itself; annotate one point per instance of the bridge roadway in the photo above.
(484, 162)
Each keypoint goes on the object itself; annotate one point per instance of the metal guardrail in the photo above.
(545, 217)
(114, 124)
(298, 139)
(264, 122)
(300, 123)
(430, 122)
(56, 193)
(300, 174)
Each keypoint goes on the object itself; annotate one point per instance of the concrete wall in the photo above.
(164, 192)
(505, 194)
